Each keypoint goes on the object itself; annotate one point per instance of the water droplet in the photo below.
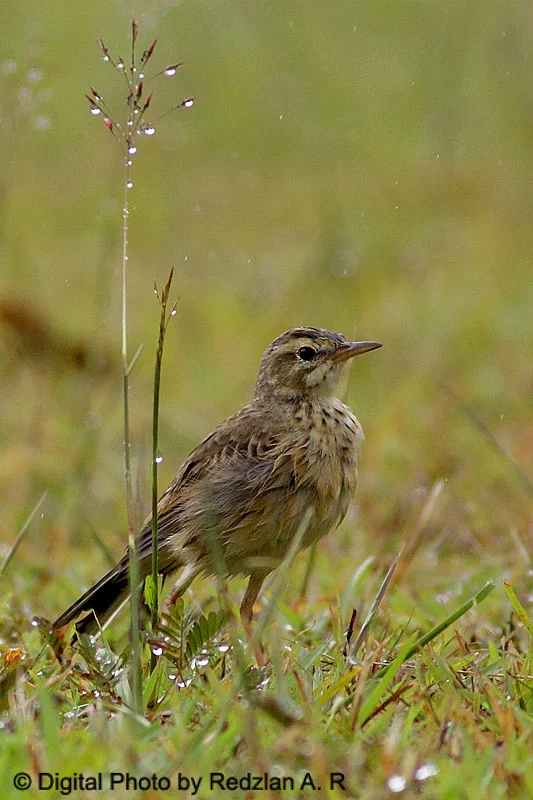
(157, 651)
(106, 58)
(170, 72)
(281, 116)
(35, 623)
(173, 312)
(158, 459)
(141, 75)
(95, 111)
(223, 648)
(34, 75)
(171, 676)
(41, 123)
(186, 258)
(9, 67)
(129, 162)
(132, 149)
(130, 123)
(202, 662)
(426, 771)
(148, 130)
(396, 783)
(129, 185)
(396, 208)
(188, 103)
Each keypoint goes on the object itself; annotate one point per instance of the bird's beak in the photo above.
(350, 349)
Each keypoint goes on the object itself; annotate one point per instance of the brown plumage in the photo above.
(240, 496)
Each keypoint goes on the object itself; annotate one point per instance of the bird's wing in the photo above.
(241, 439)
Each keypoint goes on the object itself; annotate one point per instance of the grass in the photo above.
(339, 168)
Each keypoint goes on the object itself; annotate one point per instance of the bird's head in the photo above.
(305, 362)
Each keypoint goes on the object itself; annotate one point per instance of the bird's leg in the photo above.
(247, 611)
(250, 596)
(181, 585)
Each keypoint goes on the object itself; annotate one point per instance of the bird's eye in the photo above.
(306, 353)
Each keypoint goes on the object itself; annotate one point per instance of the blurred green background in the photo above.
(364, 167)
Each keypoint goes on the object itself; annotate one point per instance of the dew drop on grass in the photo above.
(158, 459)
(132, 150)
(426, 771)
(157, 651)
(188, 103)
(129, 185)
(148, 130)
(223, 648)
(95, 111)
(173, 312)
(170, 72)
(396, 783)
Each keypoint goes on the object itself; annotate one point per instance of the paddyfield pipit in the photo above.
(289, 453)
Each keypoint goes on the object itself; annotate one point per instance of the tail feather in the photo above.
(104, 599)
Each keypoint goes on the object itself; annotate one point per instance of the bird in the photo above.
(239, 498)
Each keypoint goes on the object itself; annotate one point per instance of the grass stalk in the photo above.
(135, 660)
(163, 322)
(126, 135)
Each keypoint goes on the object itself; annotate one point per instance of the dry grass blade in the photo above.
(480, 425)
(351, 651)
(14, 546)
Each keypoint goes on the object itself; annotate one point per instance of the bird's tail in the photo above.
(104, 599)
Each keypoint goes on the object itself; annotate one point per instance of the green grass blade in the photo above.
(519, 608)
